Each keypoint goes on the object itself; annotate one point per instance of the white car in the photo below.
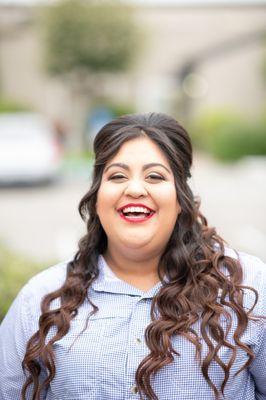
(29, 151)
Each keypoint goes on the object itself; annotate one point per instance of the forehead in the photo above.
(141, 150)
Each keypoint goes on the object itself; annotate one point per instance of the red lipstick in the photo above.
(135, 218)
(135, 205)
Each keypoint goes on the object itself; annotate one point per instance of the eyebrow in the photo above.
(146, 166)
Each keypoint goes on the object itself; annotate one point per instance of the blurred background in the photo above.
(68, 67)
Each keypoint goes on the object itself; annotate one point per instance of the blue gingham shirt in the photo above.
(101, 363)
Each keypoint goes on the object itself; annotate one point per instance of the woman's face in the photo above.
(135, 181)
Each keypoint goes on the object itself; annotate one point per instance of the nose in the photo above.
(135, 188)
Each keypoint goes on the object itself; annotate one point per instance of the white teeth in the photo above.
(136, 209)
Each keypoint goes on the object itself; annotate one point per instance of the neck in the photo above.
(140, 271)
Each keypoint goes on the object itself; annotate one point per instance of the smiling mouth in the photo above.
(136, 216)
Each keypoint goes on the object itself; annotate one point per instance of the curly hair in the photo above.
(203, 284)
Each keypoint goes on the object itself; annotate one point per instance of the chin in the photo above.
(136, 244)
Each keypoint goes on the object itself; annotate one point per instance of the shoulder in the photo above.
(26, 308)
(46, 281)
(254, 276)
(254, 269)
(30, 297)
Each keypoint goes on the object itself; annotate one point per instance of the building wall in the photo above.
(172, 36)
(22, 74)
(232, 78)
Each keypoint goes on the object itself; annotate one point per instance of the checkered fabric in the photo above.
(101, 363)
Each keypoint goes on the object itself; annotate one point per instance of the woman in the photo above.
(152, 306)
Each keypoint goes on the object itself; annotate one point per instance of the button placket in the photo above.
(134, 389)
(137, 337)
(137, 349)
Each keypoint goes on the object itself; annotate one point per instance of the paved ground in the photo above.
(44, 222)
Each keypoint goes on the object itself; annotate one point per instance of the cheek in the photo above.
(108, 197)
(168, 197)
(170, 207)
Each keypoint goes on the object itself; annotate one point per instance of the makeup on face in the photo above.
(135, 212)
(137, 202)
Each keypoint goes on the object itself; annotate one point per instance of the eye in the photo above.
(156, 177)
(117, 176)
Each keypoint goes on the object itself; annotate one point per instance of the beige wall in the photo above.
(173, 35)
(22, 75)
(178, 34)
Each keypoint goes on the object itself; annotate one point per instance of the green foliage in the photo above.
(9, 106)
(90, 35)
(263, 63)
(228, 136)
(15, 271)
(116, 108)
(120, 109)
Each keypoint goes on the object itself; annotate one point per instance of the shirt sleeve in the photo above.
(258, 366)
(14, 334)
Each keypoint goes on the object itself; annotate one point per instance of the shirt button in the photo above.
(138, 340)
(134, 389)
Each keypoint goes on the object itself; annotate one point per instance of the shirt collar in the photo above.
(107, 281)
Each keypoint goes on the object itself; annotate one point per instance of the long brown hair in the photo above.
(193, 261)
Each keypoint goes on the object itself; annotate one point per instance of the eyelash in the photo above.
(159, 177)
